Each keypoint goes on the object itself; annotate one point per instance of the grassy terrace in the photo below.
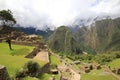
(14, 59)
(97, 75)
(114, 64)
(54, 60)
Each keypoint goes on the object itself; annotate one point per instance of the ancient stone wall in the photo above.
(45, 68)
(3, 73)
(27, 43)
(33, 53)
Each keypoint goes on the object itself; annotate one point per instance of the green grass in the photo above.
(114, 64)
(69, 60)
(29, 78)
(54, 60)
(46, 76)
(14, 63)
(97, 75)
(17, 50)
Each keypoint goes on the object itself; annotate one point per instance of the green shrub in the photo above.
(32, 68)
(20, 74)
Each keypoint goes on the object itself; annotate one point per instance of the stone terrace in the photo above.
(43, 56)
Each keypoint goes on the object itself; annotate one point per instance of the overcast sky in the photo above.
(58, 12)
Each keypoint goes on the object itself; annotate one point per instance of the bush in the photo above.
(32, 68)
(20, 74)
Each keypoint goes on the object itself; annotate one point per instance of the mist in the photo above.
(39, 13)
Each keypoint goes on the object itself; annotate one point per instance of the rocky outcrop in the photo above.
(3, 73)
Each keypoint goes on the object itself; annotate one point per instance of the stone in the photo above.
(55, 71)
(118, 71)
(3, 73)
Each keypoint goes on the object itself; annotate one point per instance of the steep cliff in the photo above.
(102, 35)
(62, 40)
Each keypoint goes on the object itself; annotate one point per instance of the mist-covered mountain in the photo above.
(102, 35)
(90, 35)
(31, 30)
(62, 40)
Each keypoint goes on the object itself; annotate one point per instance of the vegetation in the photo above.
(101, 58)
(30, 69)
(48, 76)
(14, 63)
(7, 18)
(62, 40)
(97, 75)
(17, 49)
(103, 36)
(114, 64)
(54, 62)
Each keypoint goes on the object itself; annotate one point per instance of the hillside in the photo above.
(62, 40)
(103, 35)
(31, 30)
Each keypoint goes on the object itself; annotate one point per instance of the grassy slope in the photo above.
(48, 76)
(97, 75)
(30, 78)
(54, 60)
(24, 50)
(15, 62)
(115, 64)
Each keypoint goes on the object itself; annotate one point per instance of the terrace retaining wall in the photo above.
(3, 73)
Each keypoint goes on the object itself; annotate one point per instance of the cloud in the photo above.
(38, 13)
(108, 7)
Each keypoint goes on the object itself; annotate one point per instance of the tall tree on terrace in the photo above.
(7, 18)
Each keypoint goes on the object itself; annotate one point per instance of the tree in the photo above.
(32, 68)
(7, 18)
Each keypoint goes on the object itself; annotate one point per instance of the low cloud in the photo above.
(38, 13)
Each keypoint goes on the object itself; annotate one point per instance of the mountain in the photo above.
(31, 30)
(62, 40)
(103, 35)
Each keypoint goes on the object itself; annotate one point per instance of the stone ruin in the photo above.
(87, 68)
(3, 73)
(116, 71)
(21, 38)
(36, 50)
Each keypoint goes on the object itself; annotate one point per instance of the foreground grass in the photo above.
(17, 49)
(54, 60)
(14, 60)
(97, 75)
(46, 76)
(29, 78)
(114, 64)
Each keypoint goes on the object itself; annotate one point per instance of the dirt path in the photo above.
(65, 67)
(115, 75)
(43, 56)
(72, 75)
(75, 76)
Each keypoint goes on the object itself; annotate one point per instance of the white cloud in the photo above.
(58, 12)
(109, 7)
